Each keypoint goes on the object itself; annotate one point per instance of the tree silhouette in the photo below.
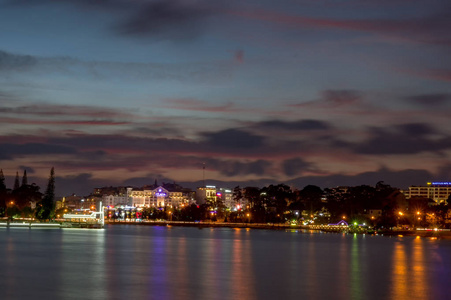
(237, 194)
(46, 209)
(16, 182)
(310, 196)
(2, 181)
(24, 178)
(2, 194)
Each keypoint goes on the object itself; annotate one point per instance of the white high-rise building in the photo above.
(437, 191)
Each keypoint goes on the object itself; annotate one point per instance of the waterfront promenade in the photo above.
(441, 233)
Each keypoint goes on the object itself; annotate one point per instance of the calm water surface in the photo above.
(145, 262)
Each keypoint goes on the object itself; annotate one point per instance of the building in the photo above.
(72, 202)
(226, 196)
(158, 197)
(206, 194)
(110, 190)
(116, 200)
(148, 196)
(437, 191)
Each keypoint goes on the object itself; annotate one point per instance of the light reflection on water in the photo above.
(130, 262)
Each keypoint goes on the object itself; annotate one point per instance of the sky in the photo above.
(323, 92)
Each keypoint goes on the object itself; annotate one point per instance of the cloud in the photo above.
(420, 129)
(294, 125)
(338, 98)
(432, 29)
(84, 3)
(9, 61)
(443, 74)
(61, 122)
(146, 180)
(21, 113)
(334, 99)
(400, 179)
(402, 139)
(234, 139)
(81, 184)
(444, 173)
(430, 100)
(8, 151)
(190, 104)
(239, 56)
(438, 74)
(30, 170)
(68, 67)
(233, 167)
(161, 19)
(167, 19)
(396, 178)
(295, 166)
(48, 110)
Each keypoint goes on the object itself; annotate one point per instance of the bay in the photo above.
(164, 262)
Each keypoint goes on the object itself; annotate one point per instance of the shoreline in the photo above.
(276, 226)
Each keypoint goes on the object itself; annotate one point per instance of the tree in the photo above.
(16, 182)
(2, 194)
(26, 195)
(24, 178)
(311, 196)
(257, 208)
(277, 197)
(441, 212)
(46, 208)
(2, 181)
(252, 194)
(237, 195)
(13, 212)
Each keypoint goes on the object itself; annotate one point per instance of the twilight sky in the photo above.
(325, 92)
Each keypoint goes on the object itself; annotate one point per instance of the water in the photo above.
(145, 262)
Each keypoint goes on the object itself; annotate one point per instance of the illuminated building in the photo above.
(158, 197)
(437, 191)
(206, 194)
(226, 195)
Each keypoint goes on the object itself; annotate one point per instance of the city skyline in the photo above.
(310, 92)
